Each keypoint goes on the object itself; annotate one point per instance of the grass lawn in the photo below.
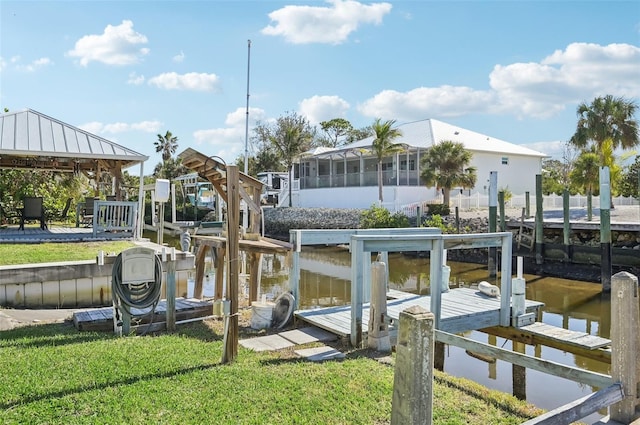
(53, 374)
(11, 254)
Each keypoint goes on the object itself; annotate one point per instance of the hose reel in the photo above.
(136, 282)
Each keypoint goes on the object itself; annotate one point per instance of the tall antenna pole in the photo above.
(246, 127)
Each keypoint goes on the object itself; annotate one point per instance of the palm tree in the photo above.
(383, 145)
(609, 120)
(167, 144)
(445, 166)
(585, 175)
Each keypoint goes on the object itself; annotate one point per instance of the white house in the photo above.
(346, 177)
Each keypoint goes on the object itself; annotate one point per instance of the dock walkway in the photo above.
(463, 309)
(101, 319)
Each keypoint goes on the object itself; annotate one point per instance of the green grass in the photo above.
(53, 374)
(11, 254)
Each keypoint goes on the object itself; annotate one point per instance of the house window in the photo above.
(505, 160)
(412, 165)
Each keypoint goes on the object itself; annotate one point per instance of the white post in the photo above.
(519, 291)
(378, 335)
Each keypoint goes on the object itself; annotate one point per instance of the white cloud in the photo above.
(323, 108)
(534, 89)
(179, 57)
(93, 127)
(30, 67)
(332, 25)
(422, 102)
(554, 149)
(117, 45)
(135, 79)
(147, 126)
(96, 127)
(191, 81)
(228, 143)
(3, 63)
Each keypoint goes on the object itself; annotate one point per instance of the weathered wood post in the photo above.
(458, 220)
(539, 221)
(170, 288)
(378, 335)
(605, 230)
(412, 401)
(566, 228)
(527, 205)
(220, 254)
(625, 334)
(589, 205)
(233, 251)
(418, 216)
(493, 210)
(518, 374)
(503, 225)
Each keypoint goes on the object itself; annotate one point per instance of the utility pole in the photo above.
(246, 126)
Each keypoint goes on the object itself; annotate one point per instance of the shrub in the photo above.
(436, 221)
(378, 217)
(439, 209)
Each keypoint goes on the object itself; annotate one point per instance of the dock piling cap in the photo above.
(418, 311)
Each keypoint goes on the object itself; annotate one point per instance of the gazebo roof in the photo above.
(30, 139)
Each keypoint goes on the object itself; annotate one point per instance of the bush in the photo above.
(439, 209)
(436, 221)
(378, 217)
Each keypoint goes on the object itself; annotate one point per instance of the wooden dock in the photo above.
(101, 319)
(463, 309)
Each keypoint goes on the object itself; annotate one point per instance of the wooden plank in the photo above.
(566, 336)
(546, 366)
(581, 407)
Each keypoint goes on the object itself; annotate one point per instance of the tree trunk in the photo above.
(380, 181)
(290, 200)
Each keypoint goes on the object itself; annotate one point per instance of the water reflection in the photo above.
(325, 280)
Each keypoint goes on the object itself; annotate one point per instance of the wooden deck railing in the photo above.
(115, 216)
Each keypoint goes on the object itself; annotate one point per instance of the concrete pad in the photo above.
(319, 354)
(307, 335)
(266, 343)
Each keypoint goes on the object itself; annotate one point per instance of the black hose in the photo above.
(127, 296)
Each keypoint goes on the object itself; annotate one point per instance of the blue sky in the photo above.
(127, 71)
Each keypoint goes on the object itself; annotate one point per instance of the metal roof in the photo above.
(31, 139)
(425, 133)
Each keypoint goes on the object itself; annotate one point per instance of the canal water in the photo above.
(325, 280)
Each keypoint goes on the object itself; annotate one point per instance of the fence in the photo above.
(478, 200)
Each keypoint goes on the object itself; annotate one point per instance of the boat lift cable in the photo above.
(141, 296)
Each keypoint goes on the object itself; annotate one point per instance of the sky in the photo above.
(130, 70)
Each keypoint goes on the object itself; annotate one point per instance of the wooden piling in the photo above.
(539, 222)
(412, 401)
(493, 207)
(527, 205)
(625, 334)
(566, 228)
(605, 230)
(503, 223)
(233, 256)
(518, 374)
(378, 335)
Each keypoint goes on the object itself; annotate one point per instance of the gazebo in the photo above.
(32, 140)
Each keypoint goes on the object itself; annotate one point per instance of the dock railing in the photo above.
(619, 391)
(115, 216)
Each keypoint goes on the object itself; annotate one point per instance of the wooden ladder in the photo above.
(526, 233)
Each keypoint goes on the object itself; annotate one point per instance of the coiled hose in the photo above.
(127, 296)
